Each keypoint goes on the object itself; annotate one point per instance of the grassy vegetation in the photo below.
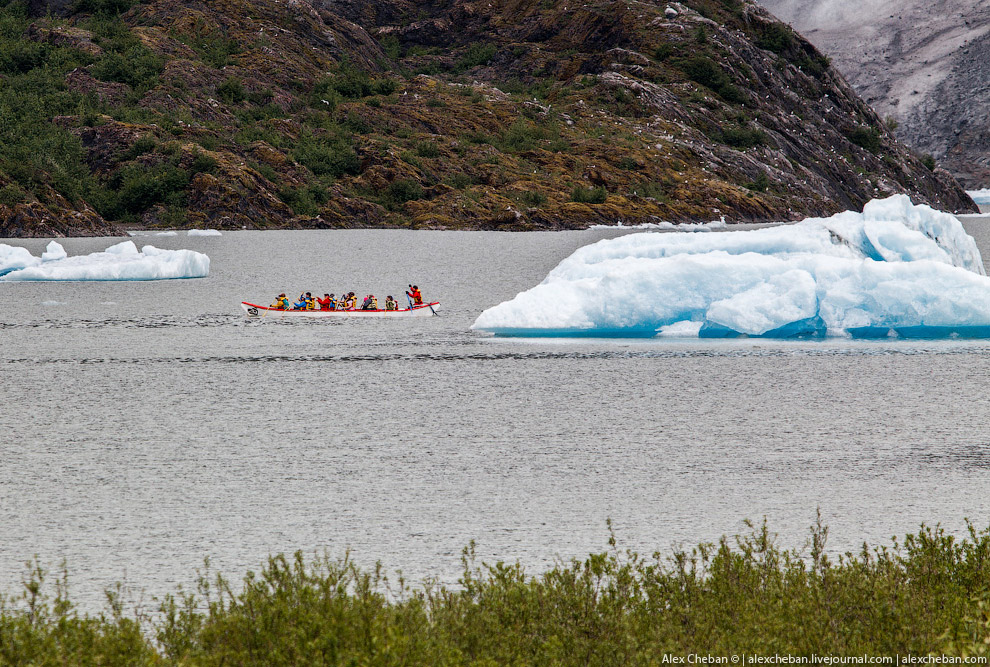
(926, 594)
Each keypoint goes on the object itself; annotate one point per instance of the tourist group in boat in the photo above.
(348, 301)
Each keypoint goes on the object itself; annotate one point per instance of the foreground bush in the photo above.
(927, 594)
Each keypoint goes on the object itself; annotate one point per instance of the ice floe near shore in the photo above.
(122, 261)
(895, 269)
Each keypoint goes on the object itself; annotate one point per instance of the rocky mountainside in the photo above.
(487, 114)
(925, 64)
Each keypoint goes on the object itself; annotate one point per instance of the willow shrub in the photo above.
(925, 594)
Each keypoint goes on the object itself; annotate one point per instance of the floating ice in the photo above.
(684, 227)
(203, 232)
(981, 197)
(122, 261)
(895, 268)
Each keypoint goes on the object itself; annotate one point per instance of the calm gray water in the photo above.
(148, 425)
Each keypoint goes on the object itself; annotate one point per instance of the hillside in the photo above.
(509, 114)
(925, 64)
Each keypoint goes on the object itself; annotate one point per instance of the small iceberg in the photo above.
(122, 261)
(203, 232)
(895, 269)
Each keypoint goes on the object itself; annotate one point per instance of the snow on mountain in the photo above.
(924, 64)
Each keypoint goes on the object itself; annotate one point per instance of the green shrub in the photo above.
(232, 91)
(401, 191)
(390, 45)
(326, 155)
(744, 137)
(138, 67)
(351, 83)
(410, 158)
(459, 181)
(427, 149)
(144, 144)
(589, 195)
(924, 595)
(532, 198)
(203, 163)
(866, 137)
(776, 37)
(136, 188)
(704, 70)
(305, 200)
(11, 195)
(929, 161)
(628, 163)
(759, 184)
(523, 136)
(664, 51)
(651, 190)
(213, 46)
(105, 7)
(477, 54)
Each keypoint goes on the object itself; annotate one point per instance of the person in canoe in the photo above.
(415, 295)
(352, 301)
(281, 302)
(327, 302)
(370, 303)
(310, 302)
(300, 304)
(390, 303)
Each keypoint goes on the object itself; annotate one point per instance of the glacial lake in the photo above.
(147, 425)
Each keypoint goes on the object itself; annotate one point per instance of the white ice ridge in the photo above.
(118, 262)
(894, 269)
(981, 197)
(204, 232)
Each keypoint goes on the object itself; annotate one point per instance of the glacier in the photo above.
(981, 197)
(122, 261)
(896, 269)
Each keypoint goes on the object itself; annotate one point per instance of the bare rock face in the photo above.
(924, 64)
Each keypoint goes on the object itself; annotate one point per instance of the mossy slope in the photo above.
(512, 114)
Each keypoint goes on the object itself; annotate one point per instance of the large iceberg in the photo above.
(118, 262)
(894, 269)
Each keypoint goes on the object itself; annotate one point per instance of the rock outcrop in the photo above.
(924, 64)
(508, 114)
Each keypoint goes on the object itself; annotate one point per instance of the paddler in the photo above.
(415, 295)
(326, 303)
(390, 303)
(310, 302)
(281, 302)
(300, 304)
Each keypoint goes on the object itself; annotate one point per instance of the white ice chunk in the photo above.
(54, 252)
(894, 266)
(13, 258)
(204, 232)
(122, 261)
